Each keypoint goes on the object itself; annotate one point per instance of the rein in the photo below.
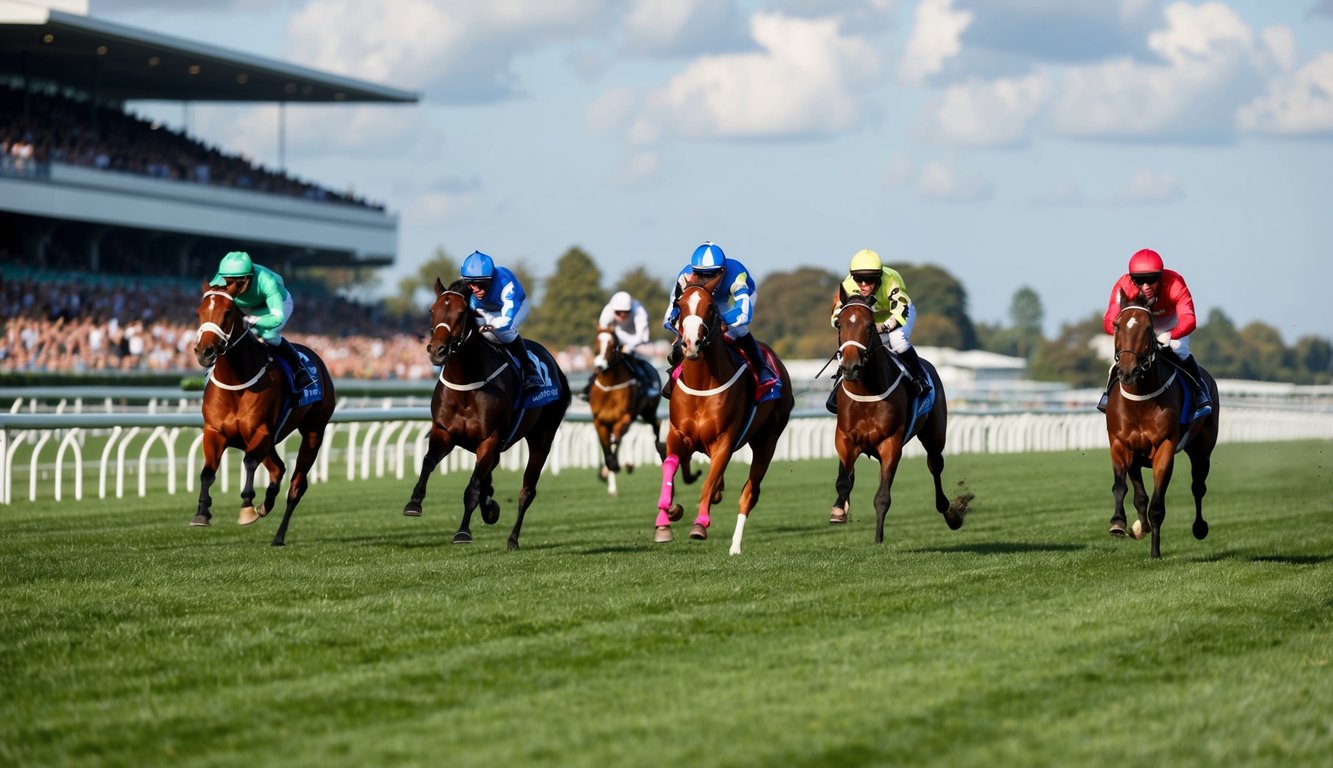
(454, 345)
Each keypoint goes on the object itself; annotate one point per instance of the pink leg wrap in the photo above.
(703, 520)
(669, 465)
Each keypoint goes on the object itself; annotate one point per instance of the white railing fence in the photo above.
(157, 444)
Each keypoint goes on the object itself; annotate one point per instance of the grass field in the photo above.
(1028, 637)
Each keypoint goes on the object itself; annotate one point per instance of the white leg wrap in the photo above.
(736, 537)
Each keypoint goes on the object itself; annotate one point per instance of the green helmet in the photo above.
(234, 264)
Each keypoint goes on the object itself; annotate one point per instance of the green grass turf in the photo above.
(1028, 637)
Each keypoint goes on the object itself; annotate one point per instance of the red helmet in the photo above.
(1145, 262)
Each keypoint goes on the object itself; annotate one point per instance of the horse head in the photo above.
(699, 319)
(221, 326)
(606, 350)
(451, 321)
(857, 337)
(1135, 343)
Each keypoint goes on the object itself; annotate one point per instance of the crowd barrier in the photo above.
(156, 445)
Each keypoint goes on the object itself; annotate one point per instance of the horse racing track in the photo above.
(1027, 637)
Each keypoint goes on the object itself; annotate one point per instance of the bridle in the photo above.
(869, 348)
(709, 323)
(228, 340)
(455, 340)
(1144, 362)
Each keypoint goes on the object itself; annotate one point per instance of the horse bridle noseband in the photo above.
(876, 343)
(455, 342)
(711, 323)
(227, 341)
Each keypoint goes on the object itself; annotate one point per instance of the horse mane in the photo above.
(458, 286)
(701, 280)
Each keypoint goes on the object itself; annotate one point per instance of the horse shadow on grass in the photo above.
(1001, 548)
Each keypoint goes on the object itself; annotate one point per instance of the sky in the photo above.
(1014, 143)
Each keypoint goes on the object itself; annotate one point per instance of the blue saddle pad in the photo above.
(311, 394)
(548, 392)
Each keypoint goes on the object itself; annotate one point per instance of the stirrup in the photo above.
(1202, 409)
(1101, 404)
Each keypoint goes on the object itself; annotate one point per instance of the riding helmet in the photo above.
(866, 262)
(708, 258)
(620, 302)
(1146, 261)
(234, 264)
(478, 267)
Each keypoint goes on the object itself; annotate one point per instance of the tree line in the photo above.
(794, 308)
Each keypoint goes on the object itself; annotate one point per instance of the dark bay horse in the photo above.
(479, 406)
(244, 407)
(617, 398)
(1143, 422)
(875, 414)
(713, 411)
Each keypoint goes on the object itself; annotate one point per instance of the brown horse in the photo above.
(479, 405)
(1143, 422)
(875, 415)
(244, 403)
(713, 411)
(617, 397)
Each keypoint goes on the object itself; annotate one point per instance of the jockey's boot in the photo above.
(587, 388)
(300, 376)
(767, 378)
(673, 359)
(912, 360)
(531, 380)
(832, 404)
(1203, 404)
(648, 376)
(1106, 393)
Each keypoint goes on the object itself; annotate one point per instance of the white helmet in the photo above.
(620, 302)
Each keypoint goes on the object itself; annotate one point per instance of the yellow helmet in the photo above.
(866, 261)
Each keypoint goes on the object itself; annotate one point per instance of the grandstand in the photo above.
(88, 188)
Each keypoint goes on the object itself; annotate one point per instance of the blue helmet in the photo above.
(478, 268)
(708, 259)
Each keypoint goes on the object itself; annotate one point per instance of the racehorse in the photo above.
(875, 415)
(713, 411)
(248, 405)
(1143, 421)
(617, 397)
(479, 405)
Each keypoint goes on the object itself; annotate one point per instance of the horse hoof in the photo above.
(1136, 530)
(675, 513)
(412, 509)
(200, 521)
(490, 512)
(262, 510)
(462, 537)
(838, 516)
(698, 532)
(1201, 530)
(662, 535)
(954, 519)
(629, 469)
(247, 516)
(1117, 528)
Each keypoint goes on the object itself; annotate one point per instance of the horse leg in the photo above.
(847, 454)
(538, 451)
(479, 488)
(1142, 524)
(890, 453)
(762, 454)
(248, 514)
(1200, 463)
(1163, 464)
(667, 511)
(439, 446)
(305, 459)
(712, 491)
(213, 444)
(1120, 460)
(276, 471)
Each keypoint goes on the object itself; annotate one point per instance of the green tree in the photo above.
(417, 291)
(651, 293)
(567, 313)
(1263, 356)
(1314, 360)
(935, 292)
(792, 313)
(1214, 345)
(1026, 315)
(1072, 356)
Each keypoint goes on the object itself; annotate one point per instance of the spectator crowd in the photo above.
(134, 327)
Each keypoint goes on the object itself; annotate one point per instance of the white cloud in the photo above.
(989, 114)
(948, 183)
(1209, 66)
(1296, 104)
(1148, 187)
(678, 27)
(456, 51)
(935, 38)
(808, 81)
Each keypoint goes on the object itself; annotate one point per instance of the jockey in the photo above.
(500, 305)
(894, 312)
(736, 292)
(1173, 319)
(629, 319)
(265, 306)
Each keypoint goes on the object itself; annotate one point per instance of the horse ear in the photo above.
(439, 287)
(205, 287)
(1121, 298)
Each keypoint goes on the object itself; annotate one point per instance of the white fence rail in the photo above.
(390, 440)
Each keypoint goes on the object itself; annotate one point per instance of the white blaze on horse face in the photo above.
(1131, 322)
(692, 325)
(603, 350)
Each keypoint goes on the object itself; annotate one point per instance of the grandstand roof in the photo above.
(120, 63)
